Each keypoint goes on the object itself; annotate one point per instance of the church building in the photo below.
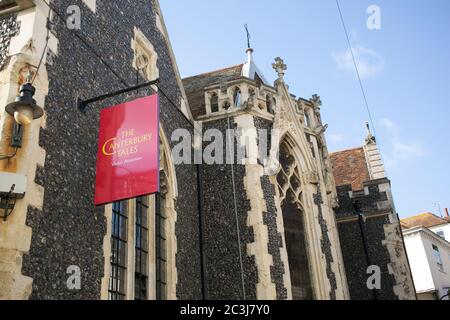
(369, 226)
(270, 228)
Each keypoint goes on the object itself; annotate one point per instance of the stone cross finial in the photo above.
(317, 103)
(279, 66)
(370, 138)
(368, 129)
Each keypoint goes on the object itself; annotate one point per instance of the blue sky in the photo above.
(405, 68)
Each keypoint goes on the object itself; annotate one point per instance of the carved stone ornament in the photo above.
(311, 177)
(280, 67)
(316, 101)
(320, 129)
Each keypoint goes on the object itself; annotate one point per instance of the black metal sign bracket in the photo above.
(82, 104)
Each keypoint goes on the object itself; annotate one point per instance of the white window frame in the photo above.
(438, 257)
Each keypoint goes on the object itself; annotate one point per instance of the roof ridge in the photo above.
(422, 214)
(345, 150)
(426, 219)
(214, 71)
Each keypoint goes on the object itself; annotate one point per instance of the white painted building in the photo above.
(442, 230)
(426, 240)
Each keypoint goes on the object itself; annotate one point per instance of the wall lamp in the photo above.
(24, 110)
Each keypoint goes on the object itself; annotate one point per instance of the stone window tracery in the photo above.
(289, 178)
(145, 57)
(291, 196)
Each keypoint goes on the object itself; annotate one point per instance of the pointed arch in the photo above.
(165, 150)
(291, 139)
(237, 97)
(166, 217)
(288, 126)
(291, 191)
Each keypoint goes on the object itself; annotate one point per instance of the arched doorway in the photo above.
(291, 192)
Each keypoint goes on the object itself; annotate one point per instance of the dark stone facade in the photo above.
(352, 243)
(70, 230)
(222, 251)
(9, 28)
(275, 238)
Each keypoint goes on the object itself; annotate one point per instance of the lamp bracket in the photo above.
(7, 203)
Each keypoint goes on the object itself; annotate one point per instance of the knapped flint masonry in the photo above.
(215, 231)
(369, 227)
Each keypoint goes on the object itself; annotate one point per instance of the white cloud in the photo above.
(408, 150)
(370, 62)
(336, 137)
(388, 124)
(400, 149)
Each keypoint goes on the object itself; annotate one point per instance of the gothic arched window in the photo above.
(237, 97)
(145, 57)
(143, 243)
(291, 197)
(118, 258)
(269, 103)
(307, 119)
(214, 103)
(141, 248)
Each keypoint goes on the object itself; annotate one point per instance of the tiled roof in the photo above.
(350, 168)
(195, 86)
(424, 220)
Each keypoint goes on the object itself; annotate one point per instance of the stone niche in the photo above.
(145, 56)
